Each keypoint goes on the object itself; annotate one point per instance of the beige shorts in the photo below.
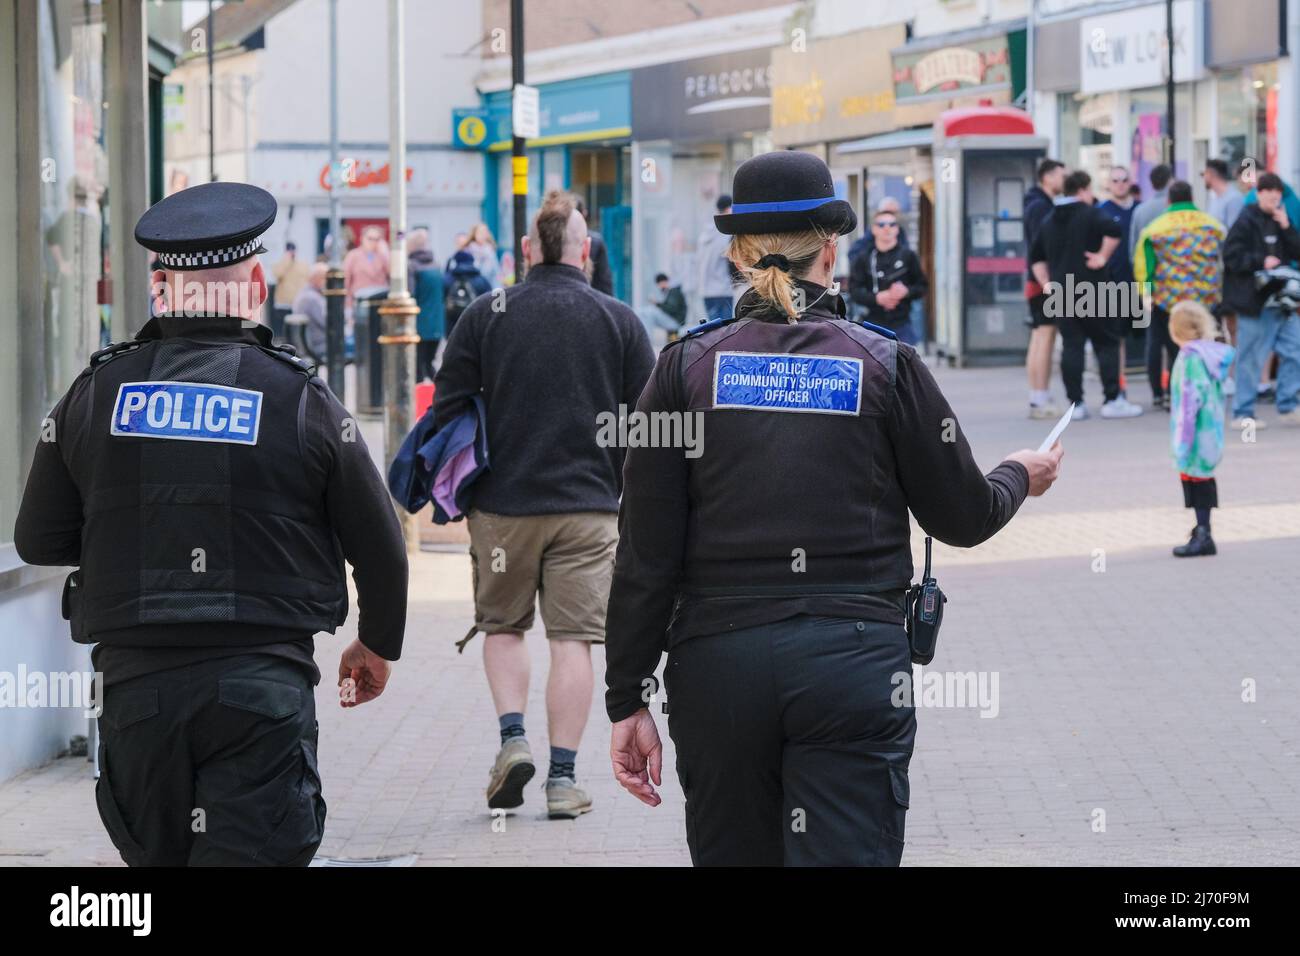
(567, 559)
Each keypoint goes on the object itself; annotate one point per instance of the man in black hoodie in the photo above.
(1042, 335)
(1068, 258)
(885, 278)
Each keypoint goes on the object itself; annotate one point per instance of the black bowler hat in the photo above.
(207, 226)
(785, 191)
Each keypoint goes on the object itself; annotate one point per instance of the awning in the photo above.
(938, 41)
(898, 139)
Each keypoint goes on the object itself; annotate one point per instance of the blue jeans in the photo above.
(718, 306)
(1272, 331)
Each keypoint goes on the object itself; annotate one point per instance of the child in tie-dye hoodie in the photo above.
(1196, 415)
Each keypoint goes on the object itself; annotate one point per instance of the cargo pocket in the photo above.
(111, 815)
(895, 815)
(300, 829)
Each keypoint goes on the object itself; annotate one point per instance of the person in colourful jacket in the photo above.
(1196, 416)
(1180, 254)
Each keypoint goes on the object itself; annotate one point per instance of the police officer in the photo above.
(772, 567)
(208, 487)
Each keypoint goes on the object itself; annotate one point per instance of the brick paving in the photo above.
(1120, 691)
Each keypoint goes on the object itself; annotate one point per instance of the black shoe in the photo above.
(1199, 544)
(1268, 396)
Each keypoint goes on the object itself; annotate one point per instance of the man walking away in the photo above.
(1069, 259)
(424, 279)
(464, 284)
(1179, 254)
(1263, 237)
(714, 268)
(602, 277)
(549, 366)
(1042, 335)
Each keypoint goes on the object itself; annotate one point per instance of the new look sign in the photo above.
(1127, 50)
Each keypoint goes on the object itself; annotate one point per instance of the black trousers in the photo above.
(212, 764)
(1159, 346)
(790, 748)
(425, 352)
(1104, 335)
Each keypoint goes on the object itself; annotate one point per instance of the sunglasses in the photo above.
(886, 224)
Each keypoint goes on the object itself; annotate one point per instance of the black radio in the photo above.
(924, 604)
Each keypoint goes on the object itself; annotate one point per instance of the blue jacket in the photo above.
(441, 466)
(425, 280)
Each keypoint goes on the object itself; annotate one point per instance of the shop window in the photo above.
(1247, 115)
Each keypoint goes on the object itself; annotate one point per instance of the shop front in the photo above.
(820, 103)
(583, 145)
(73, 102)
(693, 122)
(973, 68)
(1108, 73)
(444, 194)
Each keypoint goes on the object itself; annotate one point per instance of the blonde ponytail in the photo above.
(775, 283)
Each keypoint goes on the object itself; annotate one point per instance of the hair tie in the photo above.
(773, 259)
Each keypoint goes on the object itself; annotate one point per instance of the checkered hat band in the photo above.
(210, 258)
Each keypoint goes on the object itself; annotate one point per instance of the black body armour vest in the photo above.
(796, 492)
(200, 503)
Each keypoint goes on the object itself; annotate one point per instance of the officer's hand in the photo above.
(637, 756)
(1043, 467)
(1272, 262)
(363, 674)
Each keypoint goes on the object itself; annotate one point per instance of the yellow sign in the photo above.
(471, 130)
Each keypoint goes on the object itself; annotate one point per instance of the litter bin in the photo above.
(367, 327)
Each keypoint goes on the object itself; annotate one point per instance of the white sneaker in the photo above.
(1044, 411)
(1256, 423)
(1120, 408)
(1080, 413)
(1230, 386)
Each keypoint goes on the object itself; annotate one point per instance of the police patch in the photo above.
(828, 384)
(188, 411)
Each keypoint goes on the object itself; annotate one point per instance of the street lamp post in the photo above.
(335, 294)
(518, 158)
(399, 310)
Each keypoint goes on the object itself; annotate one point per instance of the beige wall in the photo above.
(552, 23)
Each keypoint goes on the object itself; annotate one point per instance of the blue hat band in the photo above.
(789, 205)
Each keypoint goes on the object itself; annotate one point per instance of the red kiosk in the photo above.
(985, 159)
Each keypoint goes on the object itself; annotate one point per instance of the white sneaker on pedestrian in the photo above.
(1080, 413)
(1120, 408)
(1230, 386)
(1044, 411)
(1255, 423)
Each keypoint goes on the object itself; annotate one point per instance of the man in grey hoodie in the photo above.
(1148, 209)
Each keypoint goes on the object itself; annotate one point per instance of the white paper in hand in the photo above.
(1050, 440)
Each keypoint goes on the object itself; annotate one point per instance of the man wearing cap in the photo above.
(208, 487)
(772, 566)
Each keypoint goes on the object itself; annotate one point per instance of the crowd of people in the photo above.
(1202, 283)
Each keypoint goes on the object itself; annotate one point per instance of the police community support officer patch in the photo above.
(189, 411)
(825, 384)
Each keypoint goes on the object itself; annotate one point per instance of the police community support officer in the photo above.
(772, 567)
(209, 487)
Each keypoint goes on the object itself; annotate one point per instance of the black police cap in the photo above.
(207, 226)
(785, 191)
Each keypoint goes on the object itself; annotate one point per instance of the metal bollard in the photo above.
(334, 347)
